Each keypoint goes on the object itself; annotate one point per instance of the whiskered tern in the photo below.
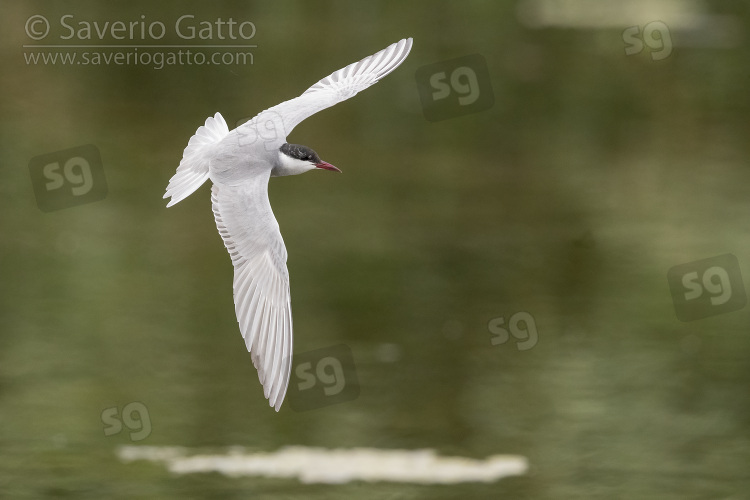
(239, 164)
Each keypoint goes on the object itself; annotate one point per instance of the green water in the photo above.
(570, 198)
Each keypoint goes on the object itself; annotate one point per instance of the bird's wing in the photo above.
(331, 90)
(261, 280)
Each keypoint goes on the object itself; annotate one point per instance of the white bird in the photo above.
(239, 164)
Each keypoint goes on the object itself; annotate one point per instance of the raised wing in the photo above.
(333, 89)
(261, 280)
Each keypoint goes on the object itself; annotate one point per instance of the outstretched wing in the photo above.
(333, 89)
(261, 280)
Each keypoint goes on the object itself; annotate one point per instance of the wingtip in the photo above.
(409, 44)
(276, 405)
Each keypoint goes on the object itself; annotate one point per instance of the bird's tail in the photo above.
(193, 169)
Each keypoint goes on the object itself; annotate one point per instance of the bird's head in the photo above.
(296, 159)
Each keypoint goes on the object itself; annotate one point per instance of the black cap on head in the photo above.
(300, 152)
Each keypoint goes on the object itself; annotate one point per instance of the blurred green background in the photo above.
(592, 175)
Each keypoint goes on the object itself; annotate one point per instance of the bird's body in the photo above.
(239, 164)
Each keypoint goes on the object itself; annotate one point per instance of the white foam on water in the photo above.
(334, 466)
(610, 13)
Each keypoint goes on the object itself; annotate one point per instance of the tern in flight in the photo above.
(239, 164)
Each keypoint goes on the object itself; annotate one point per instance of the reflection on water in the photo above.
(320, 465)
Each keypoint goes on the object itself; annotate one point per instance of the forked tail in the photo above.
(193, 169)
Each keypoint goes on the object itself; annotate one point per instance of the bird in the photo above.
(239, 164)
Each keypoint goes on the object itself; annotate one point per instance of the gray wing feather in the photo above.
(333, 89)
(261, 281)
